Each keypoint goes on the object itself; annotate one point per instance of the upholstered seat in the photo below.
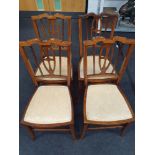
(97, 68)
(56, 71)
(49, 105)
(105, 103)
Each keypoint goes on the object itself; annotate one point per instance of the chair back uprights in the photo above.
(52, 26)
(40, 59)
(110, 67)
(96, 25)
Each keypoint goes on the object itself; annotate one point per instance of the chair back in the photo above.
(52, 26)
(107, 65)
(96, 25)
(43, 60)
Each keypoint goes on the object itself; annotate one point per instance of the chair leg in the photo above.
(123, 129)
(80, 89)
(84, 131)
(32, 134)
(79, 85)
(73, 131)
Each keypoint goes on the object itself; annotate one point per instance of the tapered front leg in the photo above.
(73, 131)
(32, 133)
(84, 131)
(80, 89)
(123, 129)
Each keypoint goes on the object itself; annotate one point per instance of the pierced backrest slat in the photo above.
(43, 29)
(48, 27)
(104, 68)
(52, 26)
(45, 59)
(62, 37)
(109, 21)
(117, 57)
(95, 26)
(35, 59)
(49, 61)
(52, 21)
(44, 56)
(58, 33)
(108, 66)
(110, 58)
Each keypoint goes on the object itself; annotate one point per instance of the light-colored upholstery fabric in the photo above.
(97, 67)
(104, 102)
(50, 104)
(57, 69)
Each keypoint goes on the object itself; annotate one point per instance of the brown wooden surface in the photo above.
(27, 5)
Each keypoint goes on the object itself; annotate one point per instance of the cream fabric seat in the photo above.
(49, 105)
(97, 67)
(105, 103)
(57, 68)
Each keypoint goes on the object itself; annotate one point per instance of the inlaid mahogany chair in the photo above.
(46, 64)
(105, 105)
(50, 108)
(95, 26)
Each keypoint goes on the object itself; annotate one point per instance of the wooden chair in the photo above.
(50, 108)
(105, 105)
(46, 63)
(55, 26)
(94, 26)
